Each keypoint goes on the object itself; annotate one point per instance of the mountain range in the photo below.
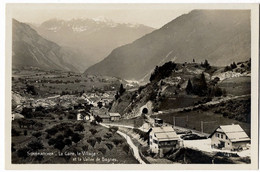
(30, 49)
(93, 38)
(220, 36)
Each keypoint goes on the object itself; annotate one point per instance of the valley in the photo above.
(95, 91)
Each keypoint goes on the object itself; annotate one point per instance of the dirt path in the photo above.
(131, 144)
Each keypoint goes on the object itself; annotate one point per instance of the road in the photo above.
(131, 144)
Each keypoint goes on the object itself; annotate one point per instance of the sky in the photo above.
(154, 15)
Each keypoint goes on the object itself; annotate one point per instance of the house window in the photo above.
(226, 137)
(216, 134)
(155, 141)
(221, 136)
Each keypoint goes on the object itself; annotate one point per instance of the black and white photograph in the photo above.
(163, 84)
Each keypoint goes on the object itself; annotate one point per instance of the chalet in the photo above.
(102, 113)
(229, 137)
(114, 116)
(162, 139)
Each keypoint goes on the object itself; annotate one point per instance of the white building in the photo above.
(162, 139)
(229, 137)
(114, 116)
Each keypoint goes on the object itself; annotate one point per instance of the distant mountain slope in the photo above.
(95, 38)
(220, 36)
(30, 49)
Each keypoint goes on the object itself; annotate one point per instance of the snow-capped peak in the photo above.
(101, 19)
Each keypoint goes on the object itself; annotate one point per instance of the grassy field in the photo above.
(48, 83)
(193, 119)
(237, 86)
(178, 102)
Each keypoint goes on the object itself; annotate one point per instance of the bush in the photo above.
(35, 145)
(60, 137)
(108, 135)
(113, 129)
(93, 131)
(126, 148)
(103, 150)
(109, 146)
(76, 138)
(47, 136)
(39, 158)
(25, 132)
(12, 147)
(15, 132)
(52, 131)
(117, 141)
(52, 141)
(85, 148)
(37, 134)
(99, 139)
(68, 132)
(27, 112)
(68, 142)
(79, 127)
(59, 145)
(22, 153)
(92, 141)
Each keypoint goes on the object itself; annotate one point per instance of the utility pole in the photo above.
(201, 124)
(174, 121)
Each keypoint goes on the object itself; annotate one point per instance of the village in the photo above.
(150, 140)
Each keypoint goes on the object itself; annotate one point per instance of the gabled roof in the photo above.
(234, 133)
(114, 114)
(163, 129)
(165, 133)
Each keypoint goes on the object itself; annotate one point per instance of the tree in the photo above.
(98, 119)
(22, 153)
(206, 64)
(52, 141)
(59, 145)
(193, 60)
(68, 132)
(76, 138)
(27, 112)
(12, 147)
(52, 131)
(103, 150)
(31, 89)
(60, 137)
(92, 141)
(35, 145)
(189, 88)
(100, 104)
(37, 134)
(233, 65)
(79, 127)
(121, 89)
(163, 71)
(126, 148)
(68, 142)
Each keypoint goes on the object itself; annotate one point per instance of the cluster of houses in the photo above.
(225, 137)
(101, 112)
